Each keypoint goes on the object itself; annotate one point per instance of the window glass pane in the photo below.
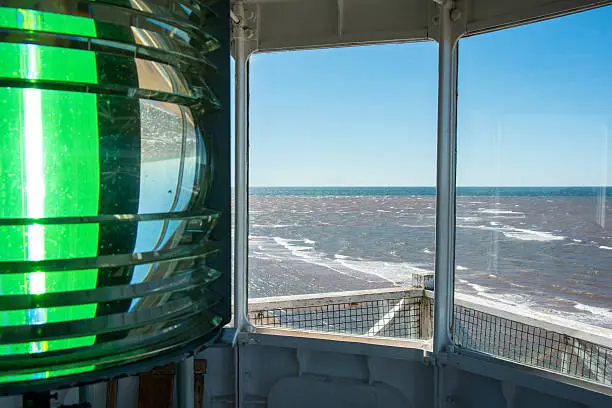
(534, 206)
(342, 198)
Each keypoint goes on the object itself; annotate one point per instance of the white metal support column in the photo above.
(445, 190)
(240, 48)
(243, 44)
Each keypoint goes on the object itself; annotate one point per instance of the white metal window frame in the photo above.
(265, 25)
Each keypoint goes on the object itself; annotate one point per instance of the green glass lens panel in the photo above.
(50, 161)
(39, 62)
(43, 21)
(105, 155)
(47, 374)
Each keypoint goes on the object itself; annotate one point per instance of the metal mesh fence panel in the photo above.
(398, 318)
(531, 345)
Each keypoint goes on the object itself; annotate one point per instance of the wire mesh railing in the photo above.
(531, 345)
(367, 318)
(396, 314)
(407, 313)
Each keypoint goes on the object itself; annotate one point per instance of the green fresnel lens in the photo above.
(105, 174)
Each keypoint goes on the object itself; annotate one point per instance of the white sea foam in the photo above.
(519, 233)
(605, 247)
(598, 311)
(478, 288)
(303, 253)
(289, 245)
(461, 268)
(428, 251)
(302, 250)
(263, 255)
(499, 212)
(396, 272)
(469, 219)
(484, 292)
(271, 225)
(483, 295)
(577, 240)
(530, 235)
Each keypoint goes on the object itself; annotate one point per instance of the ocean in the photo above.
(542, 250)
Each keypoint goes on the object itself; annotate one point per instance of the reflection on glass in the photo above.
(160, 77)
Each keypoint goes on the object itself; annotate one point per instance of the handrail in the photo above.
(330, 298)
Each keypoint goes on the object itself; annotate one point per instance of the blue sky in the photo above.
(535, 108)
